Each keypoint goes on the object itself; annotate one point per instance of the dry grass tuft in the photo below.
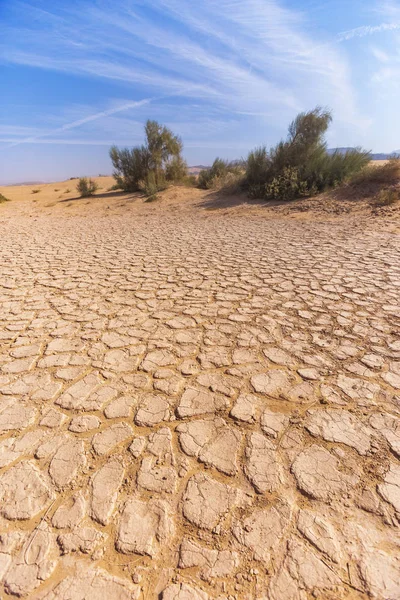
(386, 174)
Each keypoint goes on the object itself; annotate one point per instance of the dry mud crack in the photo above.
(203, 407)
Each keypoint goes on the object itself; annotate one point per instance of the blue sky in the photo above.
(227, 75)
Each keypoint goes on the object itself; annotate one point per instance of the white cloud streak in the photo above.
(80, 122)
(366, 30)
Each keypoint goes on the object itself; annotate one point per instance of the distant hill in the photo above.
(27, 183)
(195, 170)
(375, 156)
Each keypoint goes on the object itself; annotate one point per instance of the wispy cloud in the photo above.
(248, 57)
(367, 30)
(80, 122)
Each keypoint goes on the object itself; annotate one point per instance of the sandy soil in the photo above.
(199, 397)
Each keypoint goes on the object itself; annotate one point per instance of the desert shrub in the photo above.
(387, 197)
(3, 199)
(301, 165)
(35, 191)
(114, 188)
(258, 166)
(386, 174)
(176, 169)
(150, 185)
(151, 164)
(221, 175)
(86, 187)
(286, 186)
(67, 191)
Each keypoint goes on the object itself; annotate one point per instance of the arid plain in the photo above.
(199, 397)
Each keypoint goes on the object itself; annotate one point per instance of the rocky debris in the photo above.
(144, 527)
(320, 533)
(263, 466)
(389, 427)
(212, 441)
(67, 461)
(390, 489)
(24, 492)
(69, 514)
(88, 582)
(263, 530)
(105, 485)
(183, 591)
(273, 423)
(317, 474)
(84, 423)
(156, 478)
(16, 415)
(206, 502)
(106, 440)
(339, 426)
(153, 409)
(199, 402)
(212, 563)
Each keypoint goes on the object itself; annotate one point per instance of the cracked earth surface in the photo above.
(198, 407)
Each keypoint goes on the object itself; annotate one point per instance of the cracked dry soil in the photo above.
(198, 406)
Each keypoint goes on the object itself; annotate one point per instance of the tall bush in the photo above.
(301, 164)
(151, 164)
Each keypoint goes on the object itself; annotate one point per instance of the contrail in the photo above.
(68, 126)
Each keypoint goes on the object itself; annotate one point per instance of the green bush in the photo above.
(86, 187)
(35, 191)
(3, 199)
(150, 185)
(222, 174)
(301, 165)
(176, 170)
(149, 166)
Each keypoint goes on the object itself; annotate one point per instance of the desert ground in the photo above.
(199, 397)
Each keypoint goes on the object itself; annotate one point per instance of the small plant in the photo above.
(56, 189)
(152, 198)
(86, 187)
(67, 191)
(3, 199)
(387, 197)
(115, 188)
(35, 191)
